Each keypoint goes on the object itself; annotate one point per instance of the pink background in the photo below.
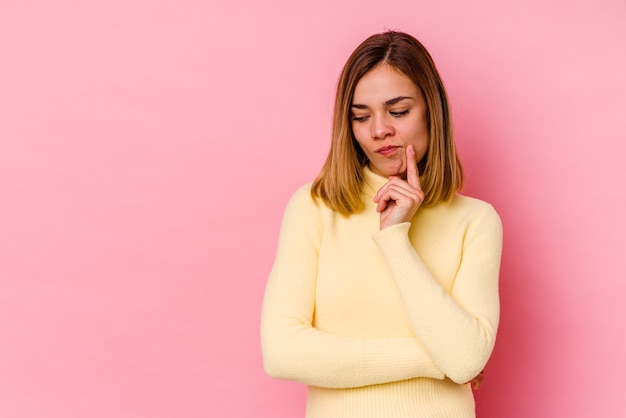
(147, 150)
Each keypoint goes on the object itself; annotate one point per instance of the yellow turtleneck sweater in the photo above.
(390, 323)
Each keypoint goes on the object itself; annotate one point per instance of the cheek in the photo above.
(420, 133)
(358, 135)
(361, 148)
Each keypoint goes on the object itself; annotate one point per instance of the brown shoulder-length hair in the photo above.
(339, 183)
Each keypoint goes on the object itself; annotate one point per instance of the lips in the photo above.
(387, 149)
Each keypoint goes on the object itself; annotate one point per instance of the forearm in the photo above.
(458, 329)
(307, 355)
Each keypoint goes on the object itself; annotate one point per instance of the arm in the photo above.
(469, 314)
(293, 349)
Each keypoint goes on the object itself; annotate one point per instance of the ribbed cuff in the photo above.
(394, 359)
(404, 262)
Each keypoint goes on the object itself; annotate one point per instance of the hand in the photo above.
(398, 200)
(477, 382)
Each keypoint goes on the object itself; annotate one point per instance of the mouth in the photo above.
(387, 150)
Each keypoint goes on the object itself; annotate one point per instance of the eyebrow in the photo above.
(387, 103)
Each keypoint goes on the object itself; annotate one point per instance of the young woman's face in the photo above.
(388, 114)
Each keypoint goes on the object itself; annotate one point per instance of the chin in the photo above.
(387, 171)
(399, 172)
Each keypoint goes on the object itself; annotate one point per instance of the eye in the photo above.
(399, 114)
(359, 118)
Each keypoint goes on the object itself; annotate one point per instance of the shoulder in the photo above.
(302, 207)
(471, 205)
(477, 213)
(302, 193)
(468, 211)
(301, 199)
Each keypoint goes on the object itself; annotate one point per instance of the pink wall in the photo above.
(147, 149)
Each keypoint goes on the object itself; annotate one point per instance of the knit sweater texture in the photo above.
(380, 324)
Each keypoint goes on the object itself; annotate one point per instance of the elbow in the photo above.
(271, 370)
(465, 375)
(469, 366)
(272, 364)
(465, 371)
(279, 349)
(279, 366)
(276, 359)
(471, 359)
(272, 350)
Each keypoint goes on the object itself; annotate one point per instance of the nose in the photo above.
(381, 127)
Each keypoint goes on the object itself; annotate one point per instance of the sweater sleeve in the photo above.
(457, 329)
(295, 350)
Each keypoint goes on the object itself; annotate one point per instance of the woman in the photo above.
(383, 297)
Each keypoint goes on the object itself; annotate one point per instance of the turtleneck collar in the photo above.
(372, 182)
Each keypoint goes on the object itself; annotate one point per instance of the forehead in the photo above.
(382, 83)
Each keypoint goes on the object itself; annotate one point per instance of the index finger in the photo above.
(412, 174)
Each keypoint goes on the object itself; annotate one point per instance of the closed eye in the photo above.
(399, 114)
(359, 118)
